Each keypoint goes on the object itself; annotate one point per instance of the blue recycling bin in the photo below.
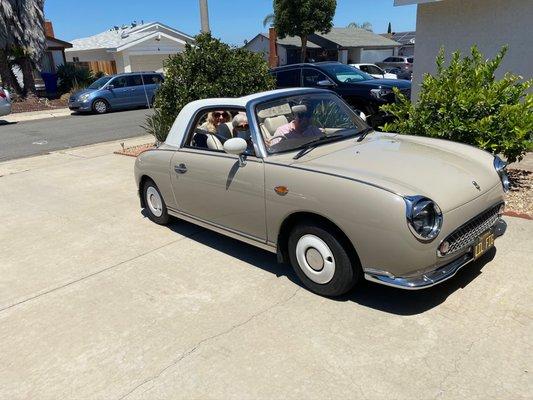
(50, 82)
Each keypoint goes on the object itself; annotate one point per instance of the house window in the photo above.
(76, 59)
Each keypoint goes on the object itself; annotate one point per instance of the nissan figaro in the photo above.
(301, 175)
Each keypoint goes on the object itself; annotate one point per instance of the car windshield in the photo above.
(346, 73)
(99, 83)
(289, 123)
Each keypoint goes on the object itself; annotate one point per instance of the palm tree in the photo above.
(365, 25)
(204, 16)
(22, 37)
(269, 20)
(8, 26)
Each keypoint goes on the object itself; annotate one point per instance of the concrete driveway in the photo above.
(97, 302)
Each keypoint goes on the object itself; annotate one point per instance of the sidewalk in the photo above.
(34, 115)
(526, 163)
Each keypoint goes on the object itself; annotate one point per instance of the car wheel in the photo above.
(154, 204)
(100, 106)
(321, 260)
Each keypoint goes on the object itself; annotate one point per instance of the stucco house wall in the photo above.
(458, 24)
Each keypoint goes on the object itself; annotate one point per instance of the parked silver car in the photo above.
(308, 180)
(5, 102)
(404, 64)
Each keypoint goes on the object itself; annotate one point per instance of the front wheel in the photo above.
(154, 204)
(100, 106)
(322, 261)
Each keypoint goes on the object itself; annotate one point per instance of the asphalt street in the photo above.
(30, 138)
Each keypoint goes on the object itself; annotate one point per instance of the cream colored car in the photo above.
(307, 179)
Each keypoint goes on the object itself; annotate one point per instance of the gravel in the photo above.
(520, 198)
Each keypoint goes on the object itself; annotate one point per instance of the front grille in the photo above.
(465, 235)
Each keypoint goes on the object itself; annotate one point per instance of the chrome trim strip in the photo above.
(428, 279)
(243, 237)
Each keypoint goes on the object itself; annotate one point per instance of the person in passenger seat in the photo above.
(299, 127)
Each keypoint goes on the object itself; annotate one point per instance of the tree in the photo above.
(268, 20)
(22, 38)
(207, 68)
(389, 29)
(303, 18)
(464, 102)
(8, 26)
(367, 26)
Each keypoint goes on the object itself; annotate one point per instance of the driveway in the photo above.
(98, 302)
(28, 138)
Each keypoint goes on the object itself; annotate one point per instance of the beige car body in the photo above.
(357, 186)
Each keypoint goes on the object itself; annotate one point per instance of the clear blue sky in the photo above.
(231, 20)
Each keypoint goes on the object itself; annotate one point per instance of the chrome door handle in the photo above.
(180, 169)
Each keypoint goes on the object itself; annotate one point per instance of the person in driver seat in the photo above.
(299, 127)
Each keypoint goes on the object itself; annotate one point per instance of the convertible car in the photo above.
(301, 175)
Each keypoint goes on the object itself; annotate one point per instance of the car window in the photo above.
(213, 127)
(364, 68)
(372, 69)
(135, 80)
(119, 82)
(312, 77)
(389, 59)
(290, 78)
(410, 60)
(151, 79)
(346, 73)
(288, 123)
(99, 83)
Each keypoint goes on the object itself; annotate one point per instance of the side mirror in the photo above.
(110, 87)
(237, 146)
(360, 114)
(325, 83)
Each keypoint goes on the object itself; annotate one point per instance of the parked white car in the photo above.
(375, 71)
(5, 102)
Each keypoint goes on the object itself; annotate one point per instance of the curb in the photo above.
(517, 215)
(36, 115)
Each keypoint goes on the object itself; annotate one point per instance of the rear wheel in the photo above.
(154, 204)
(322, 261)
(100, 106)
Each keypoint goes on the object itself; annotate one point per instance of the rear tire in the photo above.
(154, 204)
(321, 261)
(100, 106)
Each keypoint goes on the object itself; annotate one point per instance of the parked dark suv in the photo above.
(361, 90)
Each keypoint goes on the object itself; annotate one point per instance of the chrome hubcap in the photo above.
(315, 259)
(100, 106)
(155, 204)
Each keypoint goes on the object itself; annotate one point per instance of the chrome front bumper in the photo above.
(431, 278)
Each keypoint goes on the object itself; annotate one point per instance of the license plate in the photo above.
(483, 243)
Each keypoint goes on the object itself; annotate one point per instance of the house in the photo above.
(54, 55)
(459, 24)
(347, 45)
(129, 48)
(407, 41)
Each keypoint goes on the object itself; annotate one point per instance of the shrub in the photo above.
(71, 76)
(464, 102)
(208, 68)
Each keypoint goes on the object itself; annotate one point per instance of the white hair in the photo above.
(239, 119)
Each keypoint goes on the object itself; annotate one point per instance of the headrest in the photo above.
(272, 124)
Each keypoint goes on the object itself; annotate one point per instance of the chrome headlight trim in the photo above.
(414, 205)
(500, 167)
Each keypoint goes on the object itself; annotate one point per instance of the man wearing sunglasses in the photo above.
(299, 127)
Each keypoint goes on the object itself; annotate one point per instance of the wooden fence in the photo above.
(107, 67)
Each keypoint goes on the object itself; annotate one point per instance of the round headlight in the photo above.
(499, 166)
(424, 217)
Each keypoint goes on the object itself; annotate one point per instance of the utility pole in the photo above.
(204, 16)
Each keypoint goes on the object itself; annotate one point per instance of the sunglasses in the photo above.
(302, 115)
(220, 114)
(242, 127)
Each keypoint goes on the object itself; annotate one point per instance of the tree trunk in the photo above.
(304, 48)
(26, 66)
(9, 80)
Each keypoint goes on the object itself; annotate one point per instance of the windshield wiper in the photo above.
(313, 143)
(362, 134)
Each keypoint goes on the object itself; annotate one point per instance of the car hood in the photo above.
(82, 91)
(409, 165)
(374, 83)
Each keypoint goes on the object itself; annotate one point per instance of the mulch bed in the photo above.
(519, 199)
(134, 151)
(38, 104)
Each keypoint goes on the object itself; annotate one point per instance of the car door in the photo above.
(211, 186)
(119, 94)
(288, 78)
(137, 92)
(311, 77)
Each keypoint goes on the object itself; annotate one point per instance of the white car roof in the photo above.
(179, 128)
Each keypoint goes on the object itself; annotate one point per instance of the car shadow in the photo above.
(4, 122)
(379, 297)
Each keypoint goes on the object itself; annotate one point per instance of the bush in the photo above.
(71, 76)
(209, 68)
(464, 102)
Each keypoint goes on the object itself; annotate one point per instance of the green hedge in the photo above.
(464, 102)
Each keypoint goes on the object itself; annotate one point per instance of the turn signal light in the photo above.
(281, 190)
(444, 247)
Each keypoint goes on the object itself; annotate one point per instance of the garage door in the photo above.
(373, 56)
(148, 62)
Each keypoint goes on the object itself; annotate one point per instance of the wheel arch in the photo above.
(102, 99)
(310, 217)
(144, 178)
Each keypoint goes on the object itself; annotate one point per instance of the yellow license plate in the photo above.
(483, 243)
